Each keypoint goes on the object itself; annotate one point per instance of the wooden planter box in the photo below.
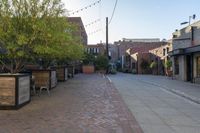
(62, 73)
(45, 78)
(71, 71)
(14, 90)
(88, 69)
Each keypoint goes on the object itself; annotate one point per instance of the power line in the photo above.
(113, 11)
(85, 8)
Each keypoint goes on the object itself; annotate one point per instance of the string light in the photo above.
(94, 22)
(92, 33)
(85, 8)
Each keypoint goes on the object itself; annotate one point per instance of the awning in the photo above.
(184, 51)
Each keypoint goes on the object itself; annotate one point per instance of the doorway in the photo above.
(189, 67)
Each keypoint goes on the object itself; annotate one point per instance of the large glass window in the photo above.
(198, 66)
(176, 65)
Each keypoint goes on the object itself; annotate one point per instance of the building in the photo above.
(81, 32)
(186, 53)
(128, 47)
(161, 56)
(96, 49)
(141, 40)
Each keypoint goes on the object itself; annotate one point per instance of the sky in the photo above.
(134, 18)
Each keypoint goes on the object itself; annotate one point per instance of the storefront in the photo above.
(186, 64)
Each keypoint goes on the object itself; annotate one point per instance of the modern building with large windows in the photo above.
(186, 53)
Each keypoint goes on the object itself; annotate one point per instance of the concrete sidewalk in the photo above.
(185, 89)
(157, 109)
(84, 104)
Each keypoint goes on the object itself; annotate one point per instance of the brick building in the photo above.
(130, 51)
(95, 49)
(186, 53)
(81, 32)
(161, 56)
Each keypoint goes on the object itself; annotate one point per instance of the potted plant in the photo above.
(88, 63)
(101, 63)
(71, 53)
(27, 28)
(168, 68)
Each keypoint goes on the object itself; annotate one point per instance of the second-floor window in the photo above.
(167, 50)
(163, 52)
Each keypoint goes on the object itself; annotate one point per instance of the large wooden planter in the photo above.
(45, 77)
(88, 69)
(14, 90)
(62, 73)
(71, 71)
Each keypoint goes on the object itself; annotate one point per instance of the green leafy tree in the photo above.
(33, 29)
(88, 59)
(101, 62)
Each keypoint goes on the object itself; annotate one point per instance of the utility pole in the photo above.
(107, 53)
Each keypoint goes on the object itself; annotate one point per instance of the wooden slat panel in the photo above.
(7, 100)
(7, 91)
(60, 73)
(66, 73)
(41, 78)
(53, 79)
(24, 89)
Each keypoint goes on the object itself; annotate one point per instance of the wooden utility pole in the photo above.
(107, 53)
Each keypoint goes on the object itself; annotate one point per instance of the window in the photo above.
(97, 50)
(198, 66)
(176, 65)
(174, 36)
(167, 50)
(163, 52)
(88, 50)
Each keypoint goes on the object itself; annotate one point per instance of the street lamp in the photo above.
(190, 17)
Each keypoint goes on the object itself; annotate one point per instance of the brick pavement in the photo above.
(85, 104)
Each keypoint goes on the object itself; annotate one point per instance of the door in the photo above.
(189, 67)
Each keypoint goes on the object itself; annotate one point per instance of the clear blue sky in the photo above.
(135, 18)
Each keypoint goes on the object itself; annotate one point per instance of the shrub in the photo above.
(168, 64)
(101, 62)
(153, 65)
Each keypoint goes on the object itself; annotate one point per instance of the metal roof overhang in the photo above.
(184, 51)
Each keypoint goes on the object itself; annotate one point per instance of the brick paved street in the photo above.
(85, 104)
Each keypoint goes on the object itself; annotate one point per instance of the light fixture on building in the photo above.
(190, 17)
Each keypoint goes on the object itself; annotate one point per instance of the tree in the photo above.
(33, 29)
(89, 59)
(101, 62)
